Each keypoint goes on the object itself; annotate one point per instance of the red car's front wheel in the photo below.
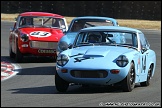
(19, 56)
(12, 55)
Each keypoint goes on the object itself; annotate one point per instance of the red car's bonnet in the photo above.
(43, 34)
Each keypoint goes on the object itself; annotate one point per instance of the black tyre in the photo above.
(61, 85)
(128, 83)
(147, 82)
(19, 56)
(12, 55)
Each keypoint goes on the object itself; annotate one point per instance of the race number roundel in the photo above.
(40, 34)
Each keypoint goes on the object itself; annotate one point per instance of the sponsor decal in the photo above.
(46, 51)
(40, 34)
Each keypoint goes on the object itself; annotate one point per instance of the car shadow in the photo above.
(73, 89)
(43, 70)
(30, 59)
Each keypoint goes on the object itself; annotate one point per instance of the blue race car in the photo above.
(79, 23)
(98, 57)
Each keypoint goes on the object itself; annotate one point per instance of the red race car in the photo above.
(36, 33)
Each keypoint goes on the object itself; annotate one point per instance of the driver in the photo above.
(92, 38)
(77, 26)
(28, 21)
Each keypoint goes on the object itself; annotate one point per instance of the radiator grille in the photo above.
(89, 73)
(43, 45)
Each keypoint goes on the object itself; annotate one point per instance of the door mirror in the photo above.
(70, 46)
(11, 29)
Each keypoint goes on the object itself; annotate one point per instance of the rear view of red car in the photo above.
(36, 34)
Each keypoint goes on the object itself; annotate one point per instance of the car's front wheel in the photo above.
(19, 56)
(128, 83)
(12, 55)
(61, 85)
(147, 82)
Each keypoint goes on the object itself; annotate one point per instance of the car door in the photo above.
(144, 54)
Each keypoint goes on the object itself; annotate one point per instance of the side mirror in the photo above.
(144, 49)
(63, 29)
(70, 46)
(11, 29)
(15, 18)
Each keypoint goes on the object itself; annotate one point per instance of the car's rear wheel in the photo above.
(19, 56)
(147, 82)
(61, 85)
(12, 55)
(128, 83)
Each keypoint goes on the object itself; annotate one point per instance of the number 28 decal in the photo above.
(40, 34)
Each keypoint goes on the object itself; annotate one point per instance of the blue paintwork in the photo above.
(99, 53)
(103, 57)
(70, 36)
(113, 28)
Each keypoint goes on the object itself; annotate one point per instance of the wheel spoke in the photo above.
(132, 76)
(149, 73)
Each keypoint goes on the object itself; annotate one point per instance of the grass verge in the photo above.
(133, 23)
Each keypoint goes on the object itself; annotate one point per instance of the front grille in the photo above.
(89, 73)
(43, 45)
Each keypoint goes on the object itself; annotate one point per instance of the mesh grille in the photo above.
(89, 73)
(43, 45)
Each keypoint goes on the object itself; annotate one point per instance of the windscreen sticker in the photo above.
(40, 34)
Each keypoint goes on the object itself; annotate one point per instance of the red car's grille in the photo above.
(89, 73)
(43, 45)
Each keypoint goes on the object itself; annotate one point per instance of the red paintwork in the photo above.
(14, 37)
(55, 37)
(40, 14)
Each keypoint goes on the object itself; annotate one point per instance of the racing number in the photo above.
(40, 33)
(144, 62)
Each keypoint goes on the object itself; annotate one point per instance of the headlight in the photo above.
(122, 61)
(62, 59)
(62, 46)
(24, 37)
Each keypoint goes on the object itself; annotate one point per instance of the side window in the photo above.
(77, 26)
(22, 21)
(147, 43)
(142, 40)
(135, 42)
(81, 38)
(117, 23)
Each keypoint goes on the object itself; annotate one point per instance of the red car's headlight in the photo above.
(24, 37)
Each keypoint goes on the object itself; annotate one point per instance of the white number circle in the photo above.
(40, 34)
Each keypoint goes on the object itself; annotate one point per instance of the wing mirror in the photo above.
(70, 46)
(11, 29)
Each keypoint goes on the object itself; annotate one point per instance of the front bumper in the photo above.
(38, 48)
(99, 77)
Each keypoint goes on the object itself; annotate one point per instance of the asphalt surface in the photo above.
(34, 86)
